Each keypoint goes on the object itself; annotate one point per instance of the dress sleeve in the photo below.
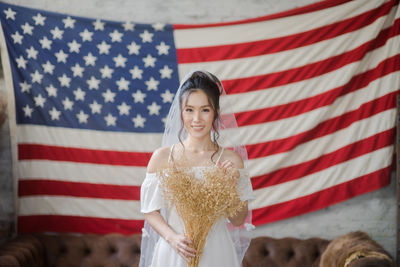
(151, 197)
(245, 188)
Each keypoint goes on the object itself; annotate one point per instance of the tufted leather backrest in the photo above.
(288, 252)
(91, 250)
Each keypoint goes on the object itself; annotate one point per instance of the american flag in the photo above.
(313, 90)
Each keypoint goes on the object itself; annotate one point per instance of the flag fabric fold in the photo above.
(313, 90)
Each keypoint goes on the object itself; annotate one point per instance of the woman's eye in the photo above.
(206, 110)
(188, 110)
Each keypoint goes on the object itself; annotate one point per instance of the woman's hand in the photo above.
(228, 166)
(182, 245)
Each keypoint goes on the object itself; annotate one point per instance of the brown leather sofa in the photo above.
(118, 250)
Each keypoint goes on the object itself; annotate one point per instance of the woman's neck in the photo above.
(199, 145)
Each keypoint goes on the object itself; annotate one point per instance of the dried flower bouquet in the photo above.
(201, 201)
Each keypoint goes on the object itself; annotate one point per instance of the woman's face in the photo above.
(197, 114)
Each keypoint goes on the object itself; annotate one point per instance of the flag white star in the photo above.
(146, 36)
(133, 48)
(86, 35)
(69, 22)
(10, 14)
(74, 46)
(128, 26)
(95, 107)
(77, 70)
(119, 61)
(164, 120)
(162, 49)
(152, 84)
(51, 90)
(45, 43)
(82, 117)
(27, 111)
(64, 80)
(61, 56)
(110, 120)
(32, 53)
(79, 94)
(93, 83)
(48, 67)
(17, 38)
(25, 87)
(123, 84)
(39, 100)
(67, 103)
(104, 48)
(27, 28)
(149, 61)
(154, 109)
(166, 72)
(139, 121)
(54, 114)
(158, 26)
(39, 19)
(123, 109)
(136, 72)
(98, 25)
(90, 59)
(57, 33)
(36, 77)
(21, 62)
(139, 96)
(108, 96)
(106, 72)
(167, 96)
(116, 36)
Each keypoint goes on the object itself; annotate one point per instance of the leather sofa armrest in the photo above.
(21, 251)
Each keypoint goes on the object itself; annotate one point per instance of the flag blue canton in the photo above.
(90, 74)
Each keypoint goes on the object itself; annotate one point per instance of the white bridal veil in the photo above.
(227, 120)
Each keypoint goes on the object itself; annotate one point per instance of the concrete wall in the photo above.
(374, 213)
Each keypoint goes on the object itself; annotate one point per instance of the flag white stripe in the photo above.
(81, 172)
(259, 65)
(307, 88)
(323, 145)
(90, 139)
(256, 31)
(332, 176)
(77, 206)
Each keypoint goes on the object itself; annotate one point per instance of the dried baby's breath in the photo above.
(202, 201)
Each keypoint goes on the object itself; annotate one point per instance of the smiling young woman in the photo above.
(191, 136)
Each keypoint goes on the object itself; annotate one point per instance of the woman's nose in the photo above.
(197, 115)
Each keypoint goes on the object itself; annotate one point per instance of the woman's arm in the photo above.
(178, 241)
(233, 160)
(240, 217)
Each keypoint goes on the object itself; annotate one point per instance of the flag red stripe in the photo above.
(366, 110)
(260, 82)
(295, 108)
(323, 198)
(341, 155)
(77, 224)
(292, 12)
(77, 189)
(47, 152)
(262, 47)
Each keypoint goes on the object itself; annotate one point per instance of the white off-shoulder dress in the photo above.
(219, 249)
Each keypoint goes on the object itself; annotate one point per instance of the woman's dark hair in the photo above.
(211, 86)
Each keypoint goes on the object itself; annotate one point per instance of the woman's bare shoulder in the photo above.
(159, 159)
